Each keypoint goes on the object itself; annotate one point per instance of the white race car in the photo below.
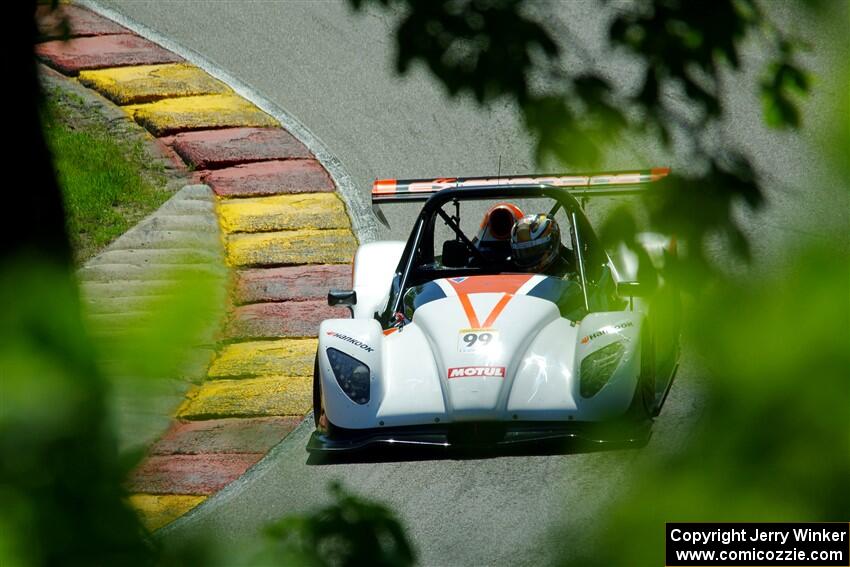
(462, 346)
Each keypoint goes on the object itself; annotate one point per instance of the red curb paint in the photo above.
(173, 157)
(202, 457)
(75, 55)
(189, 474)
(81, 22)
(291, 282)
(270, 178)
(212, 149)
(233, 435)
(285, 319)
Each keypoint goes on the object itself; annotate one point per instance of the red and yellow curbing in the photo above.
(286, 235)
(203, 112)
(157, 510)
(148, 83)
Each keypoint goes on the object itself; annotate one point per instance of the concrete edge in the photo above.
(188, 188)
(196, 364)
(360, 211)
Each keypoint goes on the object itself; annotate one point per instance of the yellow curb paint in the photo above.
(191, 394)
(334, 246)
(283, 212)
(251, 397)
(129, 110)
(284, 357)
(157, 510)
(146, 83)
(169, 98)
(198, 112)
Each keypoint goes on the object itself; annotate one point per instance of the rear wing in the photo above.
(578, 184)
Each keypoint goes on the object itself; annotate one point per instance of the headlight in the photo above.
(351, 375)
(598, 367)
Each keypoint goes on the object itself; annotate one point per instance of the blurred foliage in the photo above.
(773, 443)
(62, 375)
(350, 531)
(149, 360)
(505, 49)
(60, 474)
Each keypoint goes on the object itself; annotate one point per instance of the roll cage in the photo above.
(418, 262)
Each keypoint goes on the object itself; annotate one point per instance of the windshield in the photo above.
(477, 234)
(566, 294)
(468, 232)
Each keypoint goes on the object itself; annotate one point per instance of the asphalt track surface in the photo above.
(333, 71)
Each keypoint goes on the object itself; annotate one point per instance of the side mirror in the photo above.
(455, 254)
(347, 297)
(632, 289)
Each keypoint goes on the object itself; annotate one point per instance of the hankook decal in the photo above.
(606, 331)
(351, 340)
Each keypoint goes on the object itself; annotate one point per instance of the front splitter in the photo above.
(480, 435)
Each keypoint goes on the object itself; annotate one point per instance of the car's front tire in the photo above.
(320, 418)
(648, 373)
(643, 403)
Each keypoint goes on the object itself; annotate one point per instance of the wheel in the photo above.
(646, 383)
(643, 403)
(319, 417)
(666, 317)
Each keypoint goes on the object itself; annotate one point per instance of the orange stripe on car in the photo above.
(384, 187)
(497, 310)
(507, 284)
(504, 283)
(657, 173)
(470, 312)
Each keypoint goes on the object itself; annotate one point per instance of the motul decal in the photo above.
(606, 331)
(351, 340)
(477, 371)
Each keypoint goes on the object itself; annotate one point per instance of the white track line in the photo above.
(363, 221)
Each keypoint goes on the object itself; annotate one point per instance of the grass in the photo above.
(109, 184)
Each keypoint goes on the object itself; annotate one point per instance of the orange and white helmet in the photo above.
(535, 242)
(498, 222)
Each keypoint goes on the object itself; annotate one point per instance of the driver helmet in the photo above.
(497, 223)
(535, 242)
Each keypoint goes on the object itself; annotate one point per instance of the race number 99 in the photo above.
(474, 340)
